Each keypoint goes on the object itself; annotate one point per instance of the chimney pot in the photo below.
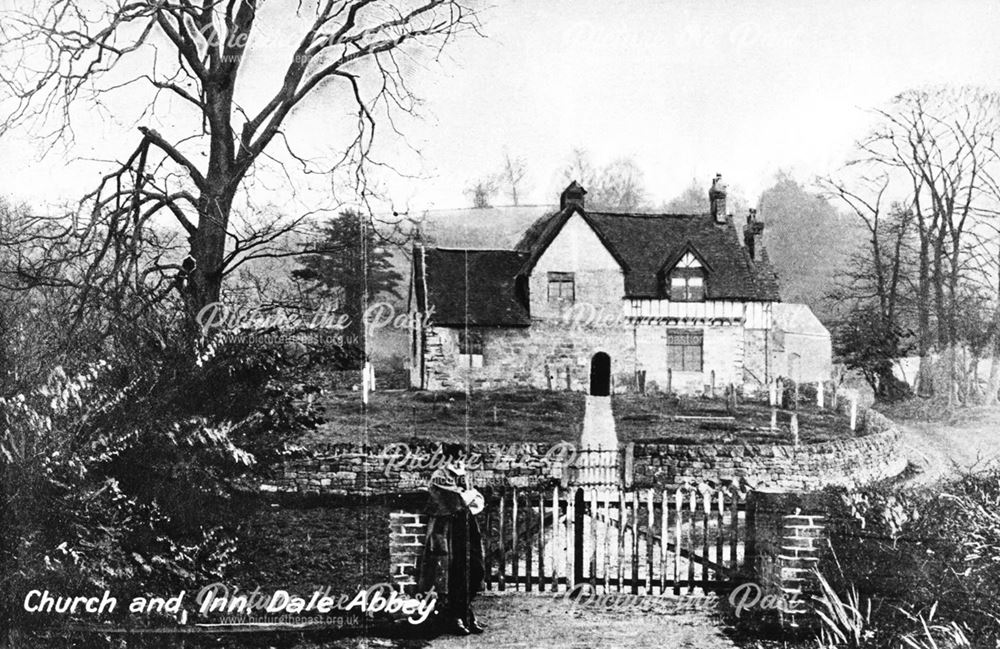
(717, 199)
(572, 195)
(753, 232)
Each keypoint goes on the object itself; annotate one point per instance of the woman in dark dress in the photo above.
(453, 553)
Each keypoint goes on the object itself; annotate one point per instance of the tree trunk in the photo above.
(208, 244)
(208, 247)
(924, 314)
(940, 306)
(993, 385)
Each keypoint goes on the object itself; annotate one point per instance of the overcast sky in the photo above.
(685, 88)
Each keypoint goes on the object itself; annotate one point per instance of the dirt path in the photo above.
(941, 450)
(522, 621)
(526, 621)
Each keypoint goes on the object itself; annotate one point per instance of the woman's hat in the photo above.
(474, 500)
(456, 467)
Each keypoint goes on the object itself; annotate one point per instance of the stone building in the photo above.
(601, 302)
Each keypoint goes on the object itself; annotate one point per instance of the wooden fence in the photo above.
(649, 541)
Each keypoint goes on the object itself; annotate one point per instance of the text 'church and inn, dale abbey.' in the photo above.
(603, 302)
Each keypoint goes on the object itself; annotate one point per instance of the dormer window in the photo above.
(687, 286)
(686, 281)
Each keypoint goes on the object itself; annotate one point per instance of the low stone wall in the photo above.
(353, 469)
(874, 455)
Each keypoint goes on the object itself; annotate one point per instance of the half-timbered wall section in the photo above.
(751, 315)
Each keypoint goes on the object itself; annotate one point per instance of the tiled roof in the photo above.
(480, 288)
(645, 243)
(470, 287)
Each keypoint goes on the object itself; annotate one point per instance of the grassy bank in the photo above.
(513, 416)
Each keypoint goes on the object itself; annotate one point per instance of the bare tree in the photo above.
(482, 191)
(621, 186)
(193, 52)
(512, 177)
(580, 169)
(618, 187)
(693, 200)
(934, 146)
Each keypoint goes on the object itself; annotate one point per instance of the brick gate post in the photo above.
(406, 546)
(786, 540)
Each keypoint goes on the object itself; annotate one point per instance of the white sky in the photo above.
(686, 88)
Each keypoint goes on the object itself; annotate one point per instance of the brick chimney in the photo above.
(753, 232)
(717, 199)
(572, 195)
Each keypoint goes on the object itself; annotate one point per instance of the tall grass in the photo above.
(845, 622)
(934, 636)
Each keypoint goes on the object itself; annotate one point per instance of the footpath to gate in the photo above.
(530, 621)
(599, 424)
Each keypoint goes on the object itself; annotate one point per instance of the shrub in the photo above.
(119, 475)
(931, 549)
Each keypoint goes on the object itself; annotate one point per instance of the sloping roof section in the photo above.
(798, 319)
(472, 287)
(488, 228)
(645, 243)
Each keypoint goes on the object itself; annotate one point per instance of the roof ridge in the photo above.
(649, 215)
(440, 210)
(449, 249)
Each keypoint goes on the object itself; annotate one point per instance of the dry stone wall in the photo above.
(876, 455)
(352, 469)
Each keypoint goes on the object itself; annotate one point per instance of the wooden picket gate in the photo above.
(643, 541)
(597, 467)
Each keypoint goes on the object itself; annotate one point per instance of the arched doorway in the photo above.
(600, 375)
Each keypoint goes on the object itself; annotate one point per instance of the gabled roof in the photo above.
(679, 254)
(470, 287)
(645, 244)
(554, 227)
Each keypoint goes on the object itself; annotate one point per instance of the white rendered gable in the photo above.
(576, 248)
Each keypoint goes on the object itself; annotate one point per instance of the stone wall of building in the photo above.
(550, 355)
(555, 355)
